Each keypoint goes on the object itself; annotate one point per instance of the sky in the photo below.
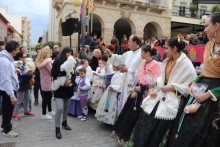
(36, 10)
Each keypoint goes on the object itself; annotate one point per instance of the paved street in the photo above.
(34, 132)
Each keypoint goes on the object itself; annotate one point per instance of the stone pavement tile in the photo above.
(97, 143)
(8, 144)
(34, 132)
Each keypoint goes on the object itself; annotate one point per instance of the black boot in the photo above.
(65, 126)
(36, 102)
(58, 133)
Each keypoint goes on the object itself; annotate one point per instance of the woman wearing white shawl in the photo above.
(160, 108)
(198, 123)
(101, 80)
(110, 103)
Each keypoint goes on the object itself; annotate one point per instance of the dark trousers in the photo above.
(7, 112)
(46, 101)
(0, 104)
(36, 90)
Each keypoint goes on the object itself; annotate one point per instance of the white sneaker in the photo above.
(13, 127)
(12, 133)
(80, 116)
(84, 118)
(46, 116)
(52, 113)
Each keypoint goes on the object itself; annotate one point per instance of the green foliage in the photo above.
(52, 43)
(38, 46)
(215, 8)
(193, 7)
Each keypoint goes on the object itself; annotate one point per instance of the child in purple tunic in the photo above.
(75, 108)
(84, 86)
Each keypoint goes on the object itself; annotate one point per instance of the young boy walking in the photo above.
(83, 86)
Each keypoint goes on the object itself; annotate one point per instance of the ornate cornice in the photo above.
(135, 4)
(126, 11)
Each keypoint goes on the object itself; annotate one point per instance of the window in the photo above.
(182, 11)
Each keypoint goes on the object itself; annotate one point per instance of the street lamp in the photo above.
(84, 19)
(77, 3)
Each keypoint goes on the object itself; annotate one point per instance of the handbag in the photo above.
(32, 81)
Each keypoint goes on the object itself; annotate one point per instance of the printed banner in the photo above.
(161, 51)
(195, 52)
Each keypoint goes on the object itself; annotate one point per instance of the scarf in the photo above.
(183, 72)
(211, 64)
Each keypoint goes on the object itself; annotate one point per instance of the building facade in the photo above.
(7, 31)
(146, 18)
(3, 28)
(52, 33)
(19, 27)
(187, 19)
(26, 33)
(14, 19)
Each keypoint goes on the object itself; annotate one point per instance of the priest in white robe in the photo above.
(131, 62)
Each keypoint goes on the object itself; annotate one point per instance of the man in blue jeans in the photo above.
(8, 85)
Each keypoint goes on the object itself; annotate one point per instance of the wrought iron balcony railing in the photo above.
(186, 12)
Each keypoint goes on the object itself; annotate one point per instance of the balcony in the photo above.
(158, 2)
(160, 5)
(185, 12)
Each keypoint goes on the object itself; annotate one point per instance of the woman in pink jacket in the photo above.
(44, 64)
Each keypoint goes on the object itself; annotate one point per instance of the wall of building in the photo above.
(52, 35)
(14, 19)
(3, 30)
(25, 32)
(17, 37)
(21, 27)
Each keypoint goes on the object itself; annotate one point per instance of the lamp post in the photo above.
(83, 23)
(78, 3)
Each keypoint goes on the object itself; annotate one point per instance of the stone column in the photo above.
(140, 33)
(107, 34)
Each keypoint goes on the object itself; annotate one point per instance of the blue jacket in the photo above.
(88, 40)
(24, 79)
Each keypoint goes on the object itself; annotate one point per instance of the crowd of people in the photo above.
(148, 102)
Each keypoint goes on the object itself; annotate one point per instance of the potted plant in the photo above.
(215, 8)
(193, 8)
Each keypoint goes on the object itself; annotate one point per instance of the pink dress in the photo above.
(149, 72)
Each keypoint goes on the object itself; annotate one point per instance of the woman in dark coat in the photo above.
(94, 62)
(63, 93)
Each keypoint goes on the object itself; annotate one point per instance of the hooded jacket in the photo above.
(8, 76)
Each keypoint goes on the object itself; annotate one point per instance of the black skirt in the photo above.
(128, 117)
(149, 131)
(199, 129)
